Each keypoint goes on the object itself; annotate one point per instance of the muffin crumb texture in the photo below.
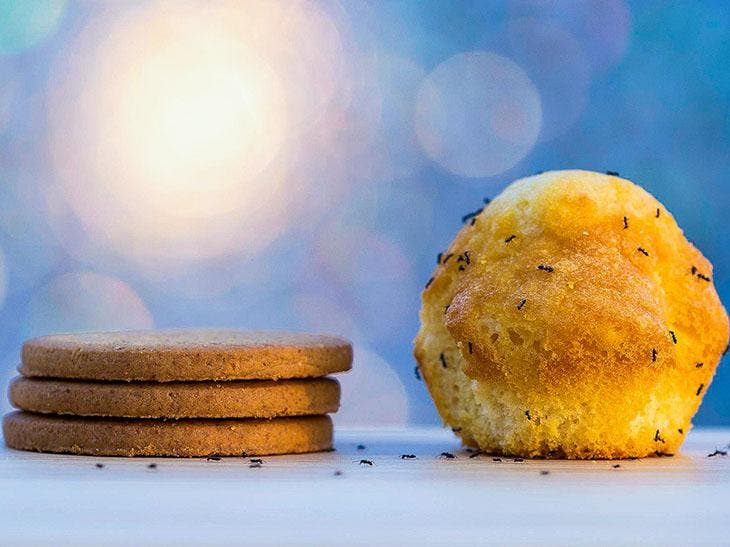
(572, 319)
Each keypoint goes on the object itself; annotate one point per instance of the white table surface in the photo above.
(50, 499)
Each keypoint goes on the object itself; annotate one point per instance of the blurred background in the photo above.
(298, 165)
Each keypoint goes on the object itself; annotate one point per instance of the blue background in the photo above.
(642, 88)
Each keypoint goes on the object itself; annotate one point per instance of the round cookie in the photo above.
(185, 355)
(184, 438)
(233, 399)
(571, 318)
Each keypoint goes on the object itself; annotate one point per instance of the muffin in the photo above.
(571, 318)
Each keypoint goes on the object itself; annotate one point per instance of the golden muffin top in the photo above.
(572, 274)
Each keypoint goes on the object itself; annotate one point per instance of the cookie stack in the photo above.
(177, 393)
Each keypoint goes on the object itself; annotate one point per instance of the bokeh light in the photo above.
(173, 131)
(378, 142)
(478, 114)
(25, 23)
(555, 62)
(85, 301)
(372, 394)
(603, 27)
(32, 254)
(372, 273)
(302, 40)
(163, 147)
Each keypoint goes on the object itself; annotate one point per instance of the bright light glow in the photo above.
(194, 116)
(170, 128)
(478, 114)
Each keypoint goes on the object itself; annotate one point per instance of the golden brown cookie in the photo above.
(185, 355)
(185, 438)
(232, 399)
(571, 318)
